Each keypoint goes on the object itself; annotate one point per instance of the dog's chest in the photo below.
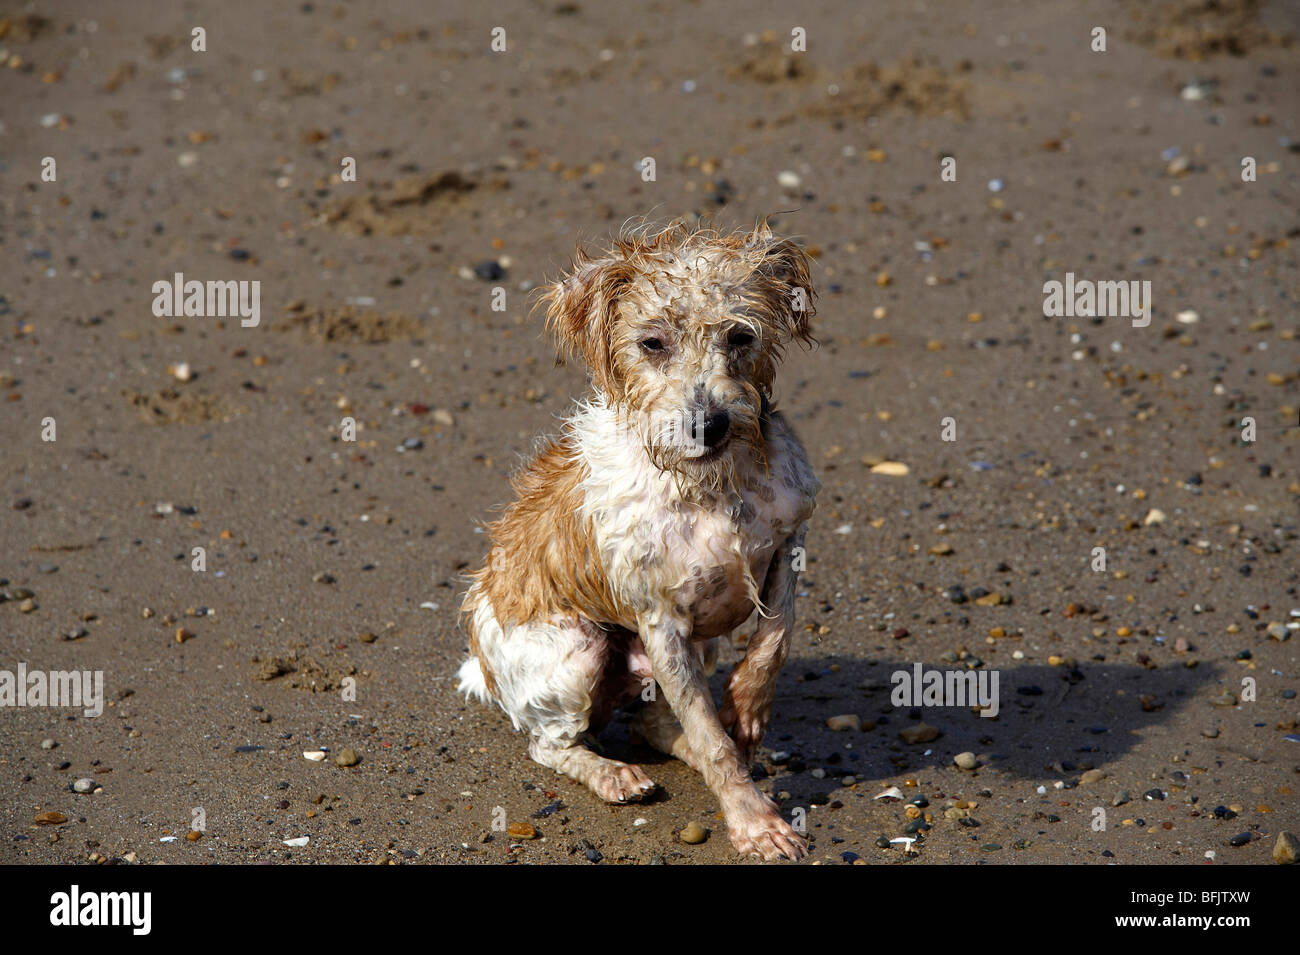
(708, 556)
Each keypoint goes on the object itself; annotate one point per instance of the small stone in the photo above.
(315, 756)
(1154, 516)
(1240, 839)
(1211, 733)
(891, 468)
(83, 785)
(48, 744)
(489, 270)
(693, 834)
(1227, 699)
(193, 835)
(920, 733)
(182, 635)
(965, 761)
(788, 179)
(941, 550)
(1277, 631)
(51, 818)
(1092, 776)
(1287, 849)
(367, 637)
(323, 578)
(347, 758)
(298, 842)
(521, 830)
(846, 721)
(27, 606)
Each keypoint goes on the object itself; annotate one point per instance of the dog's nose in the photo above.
(716, 425)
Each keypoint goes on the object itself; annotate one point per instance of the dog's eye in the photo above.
(740, 339)
(652, 344)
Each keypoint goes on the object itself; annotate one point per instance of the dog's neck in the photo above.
(615, 454)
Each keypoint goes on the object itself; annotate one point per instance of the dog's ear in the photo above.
(580, 311)
(788, 269)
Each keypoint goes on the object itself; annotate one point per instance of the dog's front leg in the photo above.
(753, 823)
(747, 704)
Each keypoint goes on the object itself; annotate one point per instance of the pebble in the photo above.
(1227, 699)
(965, 761)
(1092, 776)
(1154, 516)
(787, 179)
(193, 835)
(920, 733)
(1240, 839)
(347, 758)
(84, 785)
(48, 744)
(51, 818)
(891, 468)
(521, 830)
(693, 834)
(316, 756)
(846, 721)
(489, 270)
(299, 842)
(1287, 849)
(1277, 631)
(893, 792)
(27, 606)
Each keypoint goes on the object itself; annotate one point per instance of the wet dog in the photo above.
(672, 506)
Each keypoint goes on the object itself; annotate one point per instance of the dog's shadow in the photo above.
(1053, 721)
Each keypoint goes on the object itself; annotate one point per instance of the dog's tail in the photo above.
(472, 682)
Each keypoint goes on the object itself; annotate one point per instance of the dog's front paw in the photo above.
(621, 783)
(763, 834)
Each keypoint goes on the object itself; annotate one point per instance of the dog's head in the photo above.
(683, 331)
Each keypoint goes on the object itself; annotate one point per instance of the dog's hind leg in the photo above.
(657, 725)
(552, 678)
(611, 780)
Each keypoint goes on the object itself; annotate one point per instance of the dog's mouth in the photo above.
(711, 454)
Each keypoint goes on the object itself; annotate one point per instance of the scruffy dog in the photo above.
(672, 505)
